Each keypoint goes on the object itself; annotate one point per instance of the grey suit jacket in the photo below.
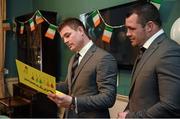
(155, 90)
(94, 84)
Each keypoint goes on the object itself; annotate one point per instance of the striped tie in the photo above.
(75, 65)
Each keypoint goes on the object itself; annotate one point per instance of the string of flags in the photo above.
(108, 30)
(38, 18)
(96, 18)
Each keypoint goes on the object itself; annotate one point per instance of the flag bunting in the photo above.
(96, 18)
(37, 18)
(106, 37)
(32, 26)
(22, 28)
(51, 31)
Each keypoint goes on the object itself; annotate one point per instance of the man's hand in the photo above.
(61, 100)
(122, 115)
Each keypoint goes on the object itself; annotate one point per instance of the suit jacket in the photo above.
(155, 90)
(94, 84)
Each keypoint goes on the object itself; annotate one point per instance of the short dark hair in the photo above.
(73, 23)
(146, 11)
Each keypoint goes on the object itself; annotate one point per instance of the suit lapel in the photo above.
(134, 67)
(137, 68)
(143, 60)
(70, 73)
(85, 59)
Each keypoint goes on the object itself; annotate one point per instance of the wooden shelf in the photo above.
(14, 101)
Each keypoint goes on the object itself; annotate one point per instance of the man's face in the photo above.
(72, 38)
(135, 32)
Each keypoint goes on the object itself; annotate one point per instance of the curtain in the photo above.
(2, 46)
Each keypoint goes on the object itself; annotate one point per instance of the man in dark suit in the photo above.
(91, 87)
(155, 89)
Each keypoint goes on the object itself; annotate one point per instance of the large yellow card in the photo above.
(36, 79)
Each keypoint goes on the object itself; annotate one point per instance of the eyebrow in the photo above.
(66, 34)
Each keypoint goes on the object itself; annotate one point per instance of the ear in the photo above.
(80, 29)
(149, 26)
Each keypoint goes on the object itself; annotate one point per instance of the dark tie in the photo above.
(141, 51)
(75, 64)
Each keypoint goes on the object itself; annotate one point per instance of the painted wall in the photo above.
(74, 8)
(14, 8)
(169, 11)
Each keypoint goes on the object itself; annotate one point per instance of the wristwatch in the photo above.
(72, 106)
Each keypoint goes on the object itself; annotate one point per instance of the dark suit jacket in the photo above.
(94, 84)
(155, 90)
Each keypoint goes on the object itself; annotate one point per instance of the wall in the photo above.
(169, 11)
(14, 8)
(66, 8)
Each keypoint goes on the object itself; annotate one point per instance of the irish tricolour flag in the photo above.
(107, 34)
(96, 18)
(22, 28)
(39, 18)
(51, 31)
(32, 26)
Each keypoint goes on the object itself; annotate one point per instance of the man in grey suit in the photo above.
(90, 89)
(155, 88)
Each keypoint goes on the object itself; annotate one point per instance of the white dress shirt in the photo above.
(152, 38)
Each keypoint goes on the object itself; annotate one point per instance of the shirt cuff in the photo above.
(76, 108)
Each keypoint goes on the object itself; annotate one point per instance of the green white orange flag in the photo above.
(22, 28)
(157, 3)
(39, 18)
(107, 34)
(51, 31)
(32, 26)
(96, 18)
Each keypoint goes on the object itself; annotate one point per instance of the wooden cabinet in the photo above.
(39, 107)
(34, 48)
(15, 107)
(39, 52)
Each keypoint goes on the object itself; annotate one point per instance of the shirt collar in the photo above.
(83, 51)
(152, 38)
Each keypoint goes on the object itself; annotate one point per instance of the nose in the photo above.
(65, 40)
(128, 33)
